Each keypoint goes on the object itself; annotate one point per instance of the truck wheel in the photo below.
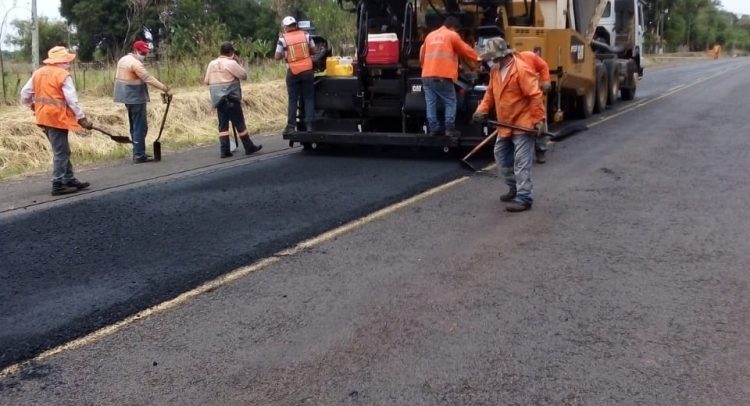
(307, 146)
(628, 93)
(585, 103)
(613, 74)
(602, 88)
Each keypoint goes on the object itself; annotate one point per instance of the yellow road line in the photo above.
(230, 277)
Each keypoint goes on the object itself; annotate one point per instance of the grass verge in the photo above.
(191, 122)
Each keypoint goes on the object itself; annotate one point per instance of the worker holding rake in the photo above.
(223, 77)
(52, 96)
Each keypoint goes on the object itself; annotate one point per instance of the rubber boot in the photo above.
(77, 184)
(224, 146)
(249, 146)
(59, 188)
(508, 197)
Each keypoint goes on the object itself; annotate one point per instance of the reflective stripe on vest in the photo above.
(297, 52)
(50, 107)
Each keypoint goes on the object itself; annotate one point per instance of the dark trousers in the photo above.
(230, 112)
(300, 89)
(62, 169)
(138, 128)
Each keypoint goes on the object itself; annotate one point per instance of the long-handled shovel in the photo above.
(564, 132)
(120, 139)
(567, 131)
(465, 161)
(157, 145)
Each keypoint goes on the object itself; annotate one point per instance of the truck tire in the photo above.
(602, 88)
(613, 74)
(628, 93)
(585, 103)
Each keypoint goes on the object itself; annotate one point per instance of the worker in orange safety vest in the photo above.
(539, 65)
(514, 93)
(51, 94)
(296, 48)
(439, 60)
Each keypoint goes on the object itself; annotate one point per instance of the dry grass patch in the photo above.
(191, 122)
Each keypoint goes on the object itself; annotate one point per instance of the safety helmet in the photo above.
(288, 20)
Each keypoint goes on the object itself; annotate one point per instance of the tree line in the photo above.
(694, 25)
(104, 29)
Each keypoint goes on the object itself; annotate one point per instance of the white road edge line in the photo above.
(229, 278)
(670, 92)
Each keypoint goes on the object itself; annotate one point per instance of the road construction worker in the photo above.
(223, 76)
(131, 82)
(439, 60)
(539, 65)
(297, 48)
(514, 93)
(52, 96)
(716, 51)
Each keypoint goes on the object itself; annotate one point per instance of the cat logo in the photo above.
(416, 88)
(576, 51)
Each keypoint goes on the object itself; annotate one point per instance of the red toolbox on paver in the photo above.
(382, 49)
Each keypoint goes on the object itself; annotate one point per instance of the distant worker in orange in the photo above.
(439, 59)
(52, 96)
(539, 65)
(296, 48)
(716, 51)
(514, 93)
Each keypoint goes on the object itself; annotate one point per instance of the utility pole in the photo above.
(34, 36)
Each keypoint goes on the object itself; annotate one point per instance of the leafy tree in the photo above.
(110, 24)
(51, 33)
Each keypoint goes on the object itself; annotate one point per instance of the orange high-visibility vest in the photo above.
(440, 51)
(297, 52)
(50, 107)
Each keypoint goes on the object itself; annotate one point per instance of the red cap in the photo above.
(141, 46)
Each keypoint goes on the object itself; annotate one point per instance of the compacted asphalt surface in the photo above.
(626, 283)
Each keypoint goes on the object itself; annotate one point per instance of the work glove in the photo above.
(541, 128)
(479, 117)
(546, 87)
(85, 123)
(168, 93)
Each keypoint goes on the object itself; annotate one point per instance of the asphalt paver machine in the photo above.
(379, 101)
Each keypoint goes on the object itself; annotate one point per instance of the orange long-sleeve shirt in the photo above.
(517, 99)
(440, 51)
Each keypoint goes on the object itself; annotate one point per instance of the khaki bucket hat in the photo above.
(59, 54)
(494, 48)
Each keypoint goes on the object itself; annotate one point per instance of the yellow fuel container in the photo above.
(338, 66)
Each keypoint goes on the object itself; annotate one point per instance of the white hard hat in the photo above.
(288, 20)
